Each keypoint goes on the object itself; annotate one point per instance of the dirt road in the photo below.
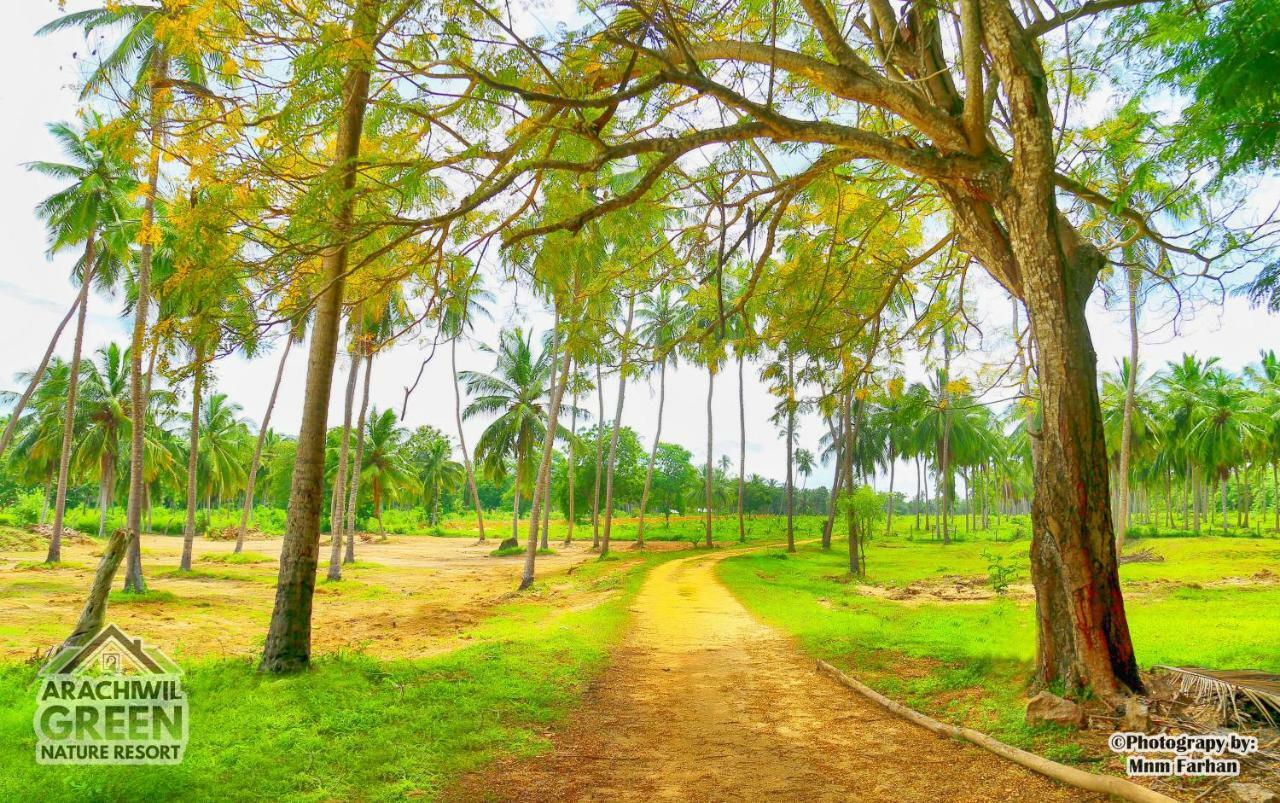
(703, 702)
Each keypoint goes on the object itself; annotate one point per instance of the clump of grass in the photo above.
(237, 557)
(505, 552)
(149, 597)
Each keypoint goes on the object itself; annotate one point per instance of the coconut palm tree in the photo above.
(143, 57)
(385, 469)
(663, 318)
(96, 199)
(466, 303)
(516, 392)
(438, 472)
(105, 408)
(805, 463)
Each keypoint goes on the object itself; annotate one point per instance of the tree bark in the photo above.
(288, 644)
(193, 461)
(69, 419)
(252, 480)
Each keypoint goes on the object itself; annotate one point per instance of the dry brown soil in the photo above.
(703, 702)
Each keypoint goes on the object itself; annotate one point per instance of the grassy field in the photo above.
(359, 726)
(926, 626)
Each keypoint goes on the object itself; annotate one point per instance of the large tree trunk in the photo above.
(16, 413)
(617, 428)
(69, 419)
(462, 438)
(257, 449)
(353, 481)
(138, 396)
(288, 644)
(193, 461)
(1083, 632)
(339, 515)
(653, 453)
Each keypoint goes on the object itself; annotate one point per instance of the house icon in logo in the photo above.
(114, 652)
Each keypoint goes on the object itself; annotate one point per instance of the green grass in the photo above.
(356, 727)
(237, 557)
(968, 662)
(508, 551)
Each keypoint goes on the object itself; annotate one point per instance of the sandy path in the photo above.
(703, 702)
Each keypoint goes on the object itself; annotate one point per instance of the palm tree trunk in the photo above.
(36, 376)
(340, 482)
(515, 493)
(544, 471)
(653, 453)
(888, 525)
(104, 501)
(617, 428)
(595, 495)
(353, 481)
(288, 644)
(742, 452)
(545, 486)
(133, 580)
(711, 386)
(462, 438)
(257, 449)
(573, 464)
(193, 461)
(791, 448)
(69, 420)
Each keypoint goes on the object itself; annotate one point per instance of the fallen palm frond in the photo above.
(1147, 555)
(1222, 688)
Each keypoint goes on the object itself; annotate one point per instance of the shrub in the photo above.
(27, 509)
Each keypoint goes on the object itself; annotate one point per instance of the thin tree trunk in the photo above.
(69, 419)
(546, 478)
(138, 398)
(711, 386)
(193, 461)
(353, 475)
(742, 452)
(1126, 432)
(288, 644)
(544, 469)
(94, 614)
(338, 517)
(462, 439)
(791, 447)
(617, 428)
(653, 454)
(573, 464)
(888, 526)
(36, 376)
(595, 495)
(257, 449)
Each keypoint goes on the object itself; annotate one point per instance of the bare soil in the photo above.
(704, 702)
(408, 596)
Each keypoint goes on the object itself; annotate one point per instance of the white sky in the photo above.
(35, 292)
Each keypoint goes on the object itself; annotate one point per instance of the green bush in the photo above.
(27, 509)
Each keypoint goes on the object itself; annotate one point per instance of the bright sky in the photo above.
(35, 292)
